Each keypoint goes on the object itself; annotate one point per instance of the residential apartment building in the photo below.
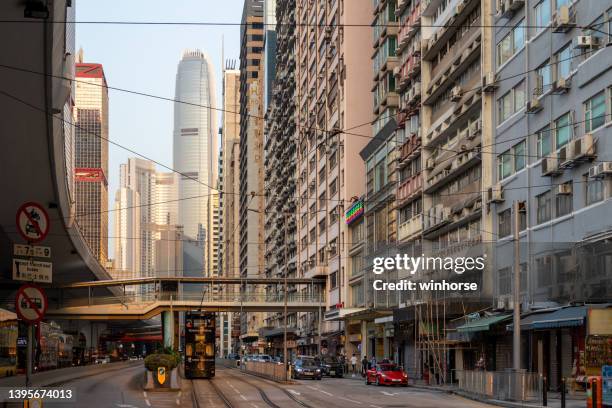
(126, 234)
(251, 157)
(552, 155)
(91, 156)
(280, 166)
(332, 83)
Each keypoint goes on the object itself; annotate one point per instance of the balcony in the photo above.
(410, 148)
(456, 167)
(410, 69)
(409, 28)
(410, 228)
(317, 271)
(409, 188)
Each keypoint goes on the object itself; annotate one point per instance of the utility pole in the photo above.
(286, 361)
(516, 292)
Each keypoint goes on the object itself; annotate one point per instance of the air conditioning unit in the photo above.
(510, 7)
(430, 163)
(550, 166)
(331, 247)
(495, 194)
(586, 41)
(456, 93)
(562, 85)
(604, 168)
(563, 20)
(488, 82)
(564, 157)
(564, 189)
(583, 147)
(534, 105)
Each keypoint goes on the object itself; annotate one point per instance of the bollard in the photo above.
(544, 392)
(563, 385)
(594, 393)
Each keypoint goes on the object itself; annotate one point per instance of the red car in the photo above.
(387, 374)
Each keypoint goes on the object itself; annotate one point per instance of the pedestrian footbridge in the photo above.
(143, 307)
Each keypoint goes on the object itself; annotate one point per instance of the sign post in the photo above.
(31, 304)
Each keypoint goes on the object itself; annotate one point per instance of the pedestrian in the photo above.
(364, 366)
(373, 361)
(353, 363)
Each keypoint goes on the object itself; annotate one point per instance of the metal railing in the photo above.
(501, 385)
(272, 371)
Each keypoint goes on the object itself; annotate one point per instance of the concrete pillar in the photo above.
(170, 329)
(229, 331)
(221, 334)
(364, 340)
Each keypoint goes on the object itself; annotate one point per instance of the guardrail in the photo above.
(272, 371)
(501, 385)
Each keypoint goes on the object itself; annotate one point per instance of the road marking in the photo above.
(294, 392)
(254, 405)
(126, 406)
(374, 406)
(148, 403)
(144, 393)
(178, 402)
(350, 400)
(391, 394)
(243, 397)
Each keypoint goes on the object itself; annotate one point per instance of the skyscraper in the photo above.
(91, 156)
(195, 144)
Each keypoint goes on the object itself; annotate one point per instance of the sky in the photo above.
(144, 58)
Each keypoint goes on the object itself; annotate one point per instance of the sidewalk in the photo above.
(554, 399)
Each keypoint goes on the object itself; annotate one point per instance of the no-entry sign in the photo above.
(31, 303)
(32, 222)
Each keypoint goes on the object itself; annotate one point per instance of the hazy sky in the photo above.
(144, 59)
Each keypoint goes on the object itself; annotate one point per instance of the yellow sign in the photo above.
(161, 375)
(600, 322)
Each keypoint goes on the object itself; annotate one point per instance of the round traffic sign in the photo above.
(31, 303)
(32, 222)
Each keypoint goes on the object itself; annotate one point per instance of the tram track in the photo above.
(216, 390)
(265, 397)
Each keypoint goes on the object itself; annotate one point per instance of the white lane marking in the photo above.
(327, 393)
(294, 392)
(180, 393)
(391, 394)
(144, 393)
(374, 406)
(148, 403)
(243, 397)
(126, 406)
(350, 400)
(254, 405)
(312, 388)
(178, 402)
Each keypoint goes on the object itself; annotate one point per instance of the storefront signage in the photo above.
(354, 212)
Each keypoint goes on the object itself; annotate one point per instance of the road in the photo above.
(230, 388)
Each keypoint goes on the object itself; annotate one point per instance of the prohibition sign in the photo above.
(32, 222)
(31, 303)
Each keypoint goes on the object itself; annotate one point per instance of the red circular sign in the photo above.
(31, 303)
(32, 222)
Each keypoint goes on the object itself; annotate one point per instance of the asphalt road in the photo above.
(230, 388)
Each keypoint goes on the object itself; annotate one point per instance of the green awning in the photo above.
(481, 324)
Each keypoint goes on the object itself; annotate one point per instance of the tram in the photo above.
(200, 333)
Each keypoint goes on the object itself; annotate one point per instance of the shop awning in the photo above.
(482, 324)
(565, 317)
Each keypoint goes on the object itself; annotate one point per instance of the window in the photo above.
(594, 190)
(563, 130)
(511, 102)
(512, 160)
(504, 281)
(380, 173)
(511, 43)
(543, 142)
(563, 199)
(595, 112)
(356, 265)
(519, 156)
(505, 223)
(543, 207)
(544, 79)
(333, 280)
(564, 62)
(522, 205)
(542, 14)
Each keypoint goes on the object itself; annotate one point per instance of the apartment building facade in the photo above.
(251, 160)
(552, 156)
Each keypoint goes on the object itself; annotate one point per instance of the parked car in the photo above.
(331, 366)
(102, 360)
(387, 374)
(134, 358)
(264, 358)
(306, 367)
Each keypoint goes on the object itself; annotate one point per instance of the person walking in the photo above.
(353, 364)
(364, 366)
